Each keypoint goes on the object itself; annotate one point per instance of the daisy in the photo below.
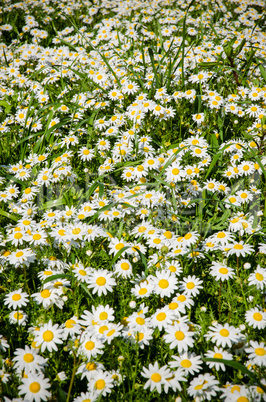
(221, 237)
(218, 353)
(86, 396)
(204, 387)
(113, 331)
(86, 154)
(103, 313)
(164, 283)
(221, 271)
(101, 281)
(224, 335)
(123, 268)
(190, 238)
(90, 346)
(3, 344)
(34, 388)
(178, 335)
(88, 370)
(48, 337)
(138, 322)
(174, 172)
(21, 256)
(102, 383)
(191, 285)
(258, 278)
(157, 377)
(29, 360)
(188, 362)
(48, 297)
(70, 327)
(143, 289)
(257, 353)
(16, 299)
(256, 318)
(162, 318)
(18, 317)
(240, 249)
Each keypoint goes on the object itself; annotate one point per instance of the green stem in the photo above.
(75, 366)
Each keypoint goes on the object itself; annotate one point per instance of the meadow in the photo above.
(132, 201)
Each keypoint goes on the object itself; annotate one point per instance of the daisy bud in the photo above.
(247, 265)
(203, 309)
(61, 376)
(242, 327)
(120, 359)
(89, 252)
(250, 298)
(178, 399)
(164, 250)
(132, 304)
(135, 259)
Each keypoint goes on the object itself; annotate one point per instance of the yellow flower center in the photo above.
(89, 345)
(260, 351)
(224, 332)
(163, 283)
(156, 377)
(28, 357)
(179, 335)
(103, 316)
(161, 317)
(16, 297)
(186, 363)
(100, 384)
(45, 293)
(34, 387)
(259, 277)
(140, 321)
(101, 281)
(223, 271)
(70, 323)
(48, 336)
(218, 356)
(257, 316)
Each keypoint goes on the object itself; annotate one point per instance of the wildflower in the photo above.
(256, 318)
(164, 283)
(191, 285)
(240, 249)
(90, 346)
(102, 383)
(48, 336)
(189, 362)
(218, 353)
(258, 278)
(179, 336)
(34, 387)
(204, 386)
(101, 282)
(221, 271)
(29, 360)
(257, 353)
(157, 377)
(224, 335)
(18, 317)
(16, 299)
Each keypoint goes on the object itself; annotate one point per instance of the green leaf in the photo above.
(8, 215)
(118, 255)
(237, 366)
(58, 276)
(262, 69)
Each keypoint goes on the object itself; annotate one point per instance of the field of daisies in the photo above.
(132, 200)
